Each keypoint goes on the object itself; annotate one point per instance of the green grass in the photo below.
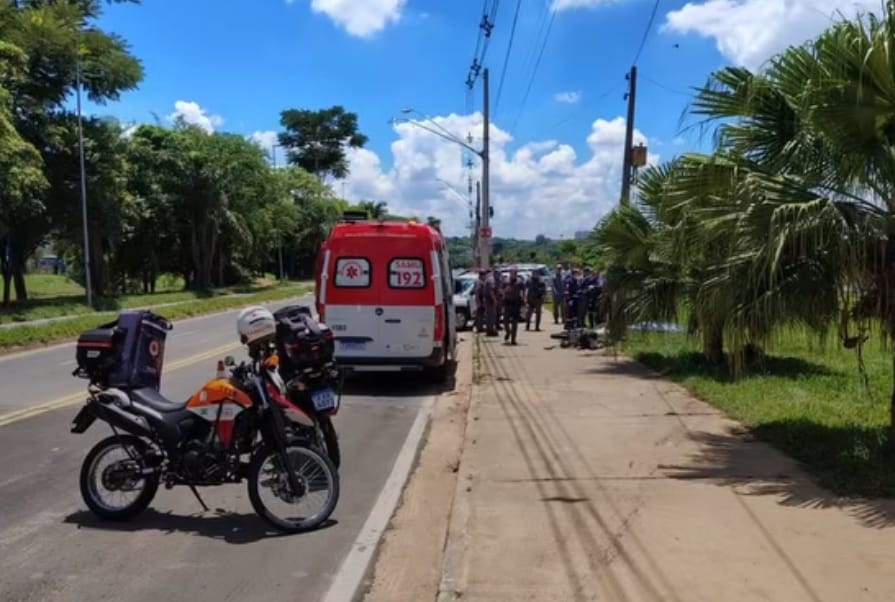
(29, 336)
(808, 400)
(52, 296)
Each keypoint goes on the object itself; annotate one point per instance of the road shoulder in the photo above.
(409, 558)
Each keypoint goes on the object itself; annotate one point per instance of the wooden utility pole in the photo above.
(627, 172)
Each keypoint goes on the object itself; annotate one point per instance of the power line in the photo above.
(664, 87)
(506, 59)
(534, 72)
(575, 114)
(649, 27)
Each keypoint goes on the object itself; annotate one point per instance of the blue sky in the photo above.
(242, 63)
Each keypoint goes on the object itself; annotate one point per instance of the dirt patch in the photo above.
(408, 565)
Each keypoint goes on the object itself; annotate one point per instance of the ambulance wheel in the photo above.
(443, 373)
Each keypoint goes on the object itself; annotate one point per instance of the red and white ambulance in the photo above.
(385, 289)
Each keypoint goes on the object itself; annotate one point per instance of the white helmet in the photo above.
(255, 324)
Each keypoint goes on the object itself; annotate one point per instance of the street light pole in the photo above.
(88, 281)
(483, 233)
(273, 154)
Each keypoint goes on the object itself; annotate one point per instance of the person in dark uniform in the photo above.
(587, 292)
(535, 295)
(479, 293)
(558, 286)
(513, 299)
(595, 290)
(572, 294)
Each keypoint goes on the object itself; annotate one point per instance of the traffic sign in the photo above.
(485, 232)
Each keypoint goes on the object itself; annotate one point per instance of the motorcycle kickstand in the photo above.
(199, 497)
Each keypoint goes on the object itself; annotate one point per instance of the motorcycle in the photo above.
(201, 442)
(317, 392)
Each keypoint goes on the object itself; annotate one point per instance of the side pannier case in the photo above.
(301, 341)
(142, 350)
(97, 353)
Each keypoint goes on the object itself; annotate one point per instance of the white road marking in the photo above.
(347, 582)
(184, 334)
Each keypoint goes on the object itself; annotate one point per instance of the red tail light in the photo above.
(439, 324)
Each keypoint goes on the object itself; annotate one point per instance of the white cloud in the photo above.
(193, 114)
(748, 32)
(265, 139)
(360, 18)
(561, 5)
(542, 187)
(567, 97)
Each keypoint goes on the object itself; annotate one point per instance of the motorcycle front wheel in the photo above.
(331, 441)
(117, 491)
(318, 480)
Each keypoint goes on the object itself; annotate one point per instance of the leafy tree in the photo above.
(316, 140)
(54, 37)
(373, 209)
(22, 181)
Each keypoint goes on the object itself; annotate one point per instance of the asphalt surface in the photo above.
(52, 549)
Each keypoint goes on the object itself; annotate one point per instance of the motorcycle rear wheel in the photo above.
(322, 463)
(89, 476)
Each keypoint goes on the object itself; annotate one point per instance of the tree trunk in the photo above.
(713, 343)
(7, 278)
(892, 409)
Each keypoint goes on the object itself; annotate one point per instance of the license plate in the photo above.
(352, 345)
(324, 400)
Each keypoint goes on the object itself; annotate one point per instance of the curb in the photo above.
(453, 578)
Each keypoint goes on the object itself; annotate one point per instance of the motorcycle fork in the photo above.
(278, 428)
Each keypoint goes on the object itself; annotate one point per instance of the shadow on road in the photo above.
(394, 384)
(755, 468)
(216, 524)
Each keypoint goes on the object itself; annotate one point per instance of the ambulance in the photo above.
(385, 289)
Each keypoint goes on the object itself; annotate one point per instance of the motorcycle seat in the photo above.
(155, 400)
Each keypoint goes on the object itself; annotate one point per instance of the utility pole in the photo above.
(476, 239)
(629, 136)
(88, 281)
(485, 233)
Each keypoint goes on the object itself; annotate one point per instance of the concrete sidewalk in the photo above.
(586, 477)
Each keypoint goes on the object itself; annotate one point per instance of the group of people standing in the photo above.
(502, 301)
(576, 297)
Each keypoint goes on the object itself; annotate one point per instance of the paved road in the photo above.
(53, 550)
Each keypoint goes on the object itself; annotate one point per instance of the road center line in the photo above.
(61, 402)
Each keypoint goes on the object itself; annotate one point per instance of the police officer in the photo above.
(513, 299)
(537, 291)
(490, 294)
(479, 293)
(572, 297)
(558, 289)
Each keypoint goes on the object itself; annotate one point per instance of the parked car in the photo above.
(464, 300)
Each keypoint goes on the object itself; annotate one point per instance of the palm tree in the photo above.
(375, 210)
(809, 219)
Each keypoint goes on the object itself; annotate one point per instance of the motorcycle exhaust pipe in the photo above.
(135, 425)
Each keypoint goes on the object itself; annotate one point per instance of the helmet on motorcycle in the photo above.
(255, 324)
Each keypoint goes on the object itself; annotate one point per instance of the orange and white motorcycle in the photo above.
(239, 425)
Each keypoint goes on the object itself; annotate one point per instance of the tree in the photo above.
(434, 222)
(22, 181)
(54, 37)
(316, 140)
(374, 210)
(806, 206)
